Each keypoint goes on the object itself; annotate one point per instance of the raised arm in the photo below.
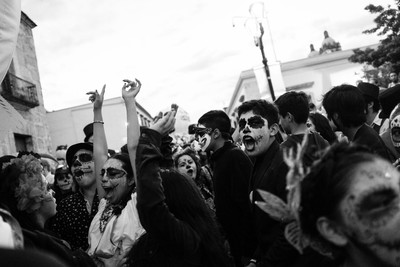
(100, 148)
(129, 92)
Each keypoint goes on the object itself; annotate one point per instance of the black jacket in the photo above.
(232, 171)
(168, 241)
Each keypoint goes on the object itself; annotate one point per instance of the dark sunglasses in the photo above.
(199, 131)
(113, 173)
(84, 157)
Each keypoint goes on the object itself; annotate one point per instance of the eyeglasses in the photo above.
(84, 157)
(113, 173)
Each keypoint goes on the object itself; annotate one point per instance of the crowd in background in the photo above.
(295, 184)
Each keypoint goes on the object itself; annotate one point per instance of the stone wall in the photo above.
(35, 123)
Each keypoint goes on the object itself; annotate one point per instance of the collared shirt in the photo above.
(73, 218)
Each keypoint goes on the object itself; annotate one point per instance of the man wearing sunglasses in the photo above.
(75, 213)
(231, 174)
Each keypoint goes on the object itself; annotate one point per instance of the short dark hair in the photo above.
(348, 102)
(376, 105)
(217, 119)
(265, 109)
(296, 103)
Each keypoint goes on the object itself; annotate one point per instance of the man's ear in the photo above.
(274, 129)
(331, 231)
(216, 133)
(290, 117)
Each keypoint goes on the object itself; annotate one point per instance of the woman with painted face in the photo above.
(116, 226)
(180, 230)
(63, 183)
(350, 207)
(187, 162)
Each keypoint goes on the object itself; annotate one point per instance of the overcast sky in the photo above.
(183, 51)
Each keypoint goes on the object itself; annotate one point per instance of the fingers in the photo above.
(102, 90)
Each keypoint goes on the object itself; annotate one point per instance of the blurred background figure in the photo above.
(61, 152)
(63, 183)
(394, 79)
(319, 123)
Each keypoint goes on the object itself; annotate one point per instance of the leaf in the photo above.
(294, 236)
(274, 206)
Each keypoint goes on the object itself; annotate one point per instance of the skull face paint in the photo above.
(187, 166)
(203, 135)
(370, 212)
(64, 181)
(254, 133)
(82, 170)
(114, 181)
(395, 131)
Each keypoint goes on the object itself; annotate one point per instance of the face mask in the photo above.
(371, 211)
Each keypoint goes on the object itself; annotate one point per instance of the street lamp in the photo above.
(254, 24)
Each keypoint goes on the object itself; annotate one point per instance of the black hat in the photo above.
(74, 148)
(88, 130)
(388, 99)
(369, 89)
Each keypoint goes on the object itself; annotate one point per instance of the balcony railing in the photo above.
(19, 90)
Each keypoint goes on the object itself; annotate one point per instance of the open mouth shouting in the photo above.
(249, 143)
(396, 134)
(109, 191)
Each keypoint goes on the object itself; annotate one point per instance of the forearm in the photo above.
(133, 132)
(99, 148)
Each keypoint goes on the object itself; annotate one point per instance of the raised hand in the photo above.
(165, 124)
(96, 98)
(130, 89)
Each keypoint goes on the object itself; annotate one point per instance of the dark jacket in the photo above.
(368, 137)
(232, 171)
(269, 174)
(168, 241)
(316, 144)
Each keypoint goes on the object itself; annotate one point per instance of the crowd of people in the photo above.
(293, 185)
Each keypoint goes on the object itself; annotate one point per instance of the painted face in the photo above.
(187, 166)
(395, 131)
(114, 181)
(64, 181)
(82, 168)
(254, 133)
(310, 125)
(203, 135)
(370, 212)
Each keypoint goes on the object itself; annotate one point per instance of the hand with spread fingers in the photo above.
(165, 124)
(130, 89)
(96, 98)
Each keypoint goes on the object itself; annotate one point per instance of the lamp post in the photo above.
(258, 13)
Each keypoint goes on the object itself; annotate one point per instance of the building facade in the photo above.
(313, 75)
(66, 125)
(22, 113)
